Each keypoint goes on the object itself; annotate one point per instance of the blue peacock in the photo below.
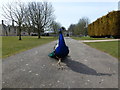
(61, 50)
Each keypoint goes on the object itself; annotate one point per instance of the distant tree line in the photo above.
(55, 26)
(31, 16)
(106, 26)
(81, 28)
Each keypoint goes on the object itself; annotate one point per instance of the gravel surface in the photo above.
(85, 67)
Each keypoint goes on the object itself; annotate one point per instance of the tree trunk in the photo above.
(20, 33)
(29, 31)
(20, 37)
(39, 37)
(6, 33)
(39, 32)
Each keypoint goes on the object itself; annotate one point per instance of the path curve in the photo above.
(99, 40)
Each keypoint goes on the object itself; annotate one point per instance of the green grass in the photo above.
(88, 38)
(11, 45)
(110, 47)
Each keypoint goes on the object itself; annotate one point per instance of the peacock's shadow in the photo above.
(82, 68)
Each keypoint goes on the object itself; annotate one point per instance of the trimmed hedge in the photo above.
(108, 25)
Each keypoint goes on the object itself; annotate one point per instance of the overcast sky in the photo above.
(70, 11)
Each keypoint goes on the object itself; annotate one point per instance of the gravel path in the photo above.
(99, 40)
(85, 67)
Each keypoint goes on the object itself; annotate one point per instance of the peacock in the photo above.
(61, 50)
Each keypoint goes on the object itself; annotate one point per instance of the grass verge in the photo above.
(110, 47)
(11, 45)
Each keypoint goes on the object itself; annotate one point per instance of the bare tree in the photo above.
(15, 12)
(55, 26)
(41, 15)
(32, 16)
(27, 22)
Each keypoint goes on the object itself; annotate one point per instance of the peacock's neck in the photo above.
(61, 40)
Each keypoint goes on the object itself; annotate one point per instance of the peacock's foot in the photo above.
(61, 67)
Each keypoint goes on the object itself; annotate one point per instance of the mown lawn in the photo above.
(11, 45)
(110, 47)
(88, 38)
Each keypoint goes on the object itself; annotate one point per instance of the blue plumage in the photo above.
(62, 50)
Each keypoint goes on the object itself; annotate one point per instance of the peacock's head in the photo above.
(61, 29)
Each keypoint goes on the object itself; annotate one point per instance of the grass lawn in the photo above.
(88, 38)
(110, 47)
(11, 45)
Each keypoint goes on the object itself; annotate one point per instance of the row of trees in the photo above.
(32, 16)
(81, 28)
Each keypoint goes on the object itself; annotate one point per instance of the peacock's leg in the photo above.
(59, 64)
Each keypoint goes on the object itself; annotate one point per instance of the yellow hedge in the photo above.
(106, 25)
